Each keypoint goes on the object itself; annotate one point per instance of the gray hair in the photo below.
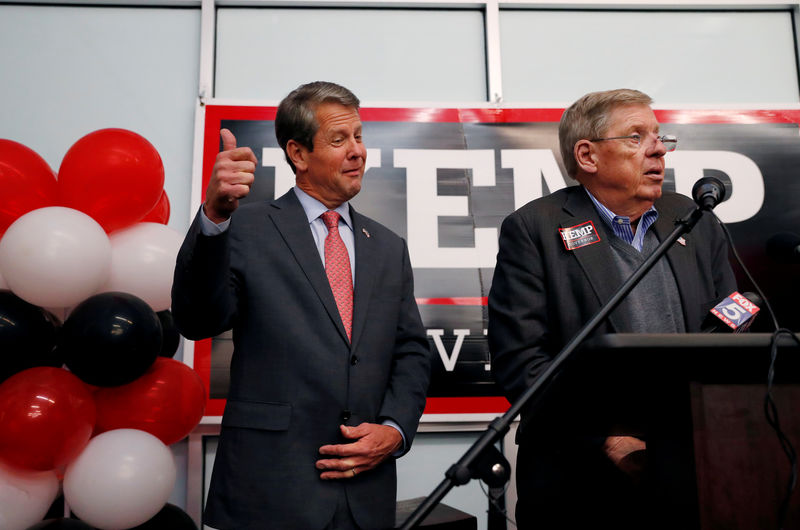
(296, 118)
(588, 118)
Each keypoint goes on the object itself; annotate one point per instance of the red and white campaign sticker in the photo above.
(579, 235)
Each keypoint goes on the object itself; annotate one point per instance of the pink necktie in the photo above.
(337, 267)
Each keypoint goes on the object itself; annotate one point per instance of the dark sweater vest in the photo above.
(654, 305)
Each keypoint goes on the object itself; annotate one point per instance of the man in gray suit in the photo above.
(561, 257)
(331, 363)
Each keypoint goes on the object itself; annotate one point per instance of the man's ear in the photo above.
(586, 156)
(298, 154)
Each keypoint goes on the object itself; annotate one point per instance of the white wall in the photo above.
(379, 54)
(675, 57)
(68, 71)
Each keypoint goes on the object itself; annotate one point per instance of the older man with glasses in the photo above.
(561, 258)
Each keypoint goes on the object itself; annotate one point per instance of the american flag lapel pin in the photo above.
(681, 242)
(366, 233)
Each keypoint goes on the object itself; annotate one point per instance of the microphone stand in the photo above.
(482, 459)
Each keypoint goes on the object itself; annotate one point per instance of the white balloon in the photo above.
(121, 479)
(25, 496)
(143, 262)
(55, 257)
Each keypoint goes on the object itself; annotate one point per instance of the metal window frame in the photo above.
(490, 8)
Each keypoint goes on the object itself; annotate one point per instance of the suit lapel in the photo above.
(682, 262)
(596, 259)
(290, 220)
(366, 271)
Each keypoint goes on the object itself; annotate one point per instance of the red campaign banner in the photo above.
(444, 179)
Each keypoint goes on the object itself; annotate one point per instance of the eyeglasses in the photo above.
(670, 142)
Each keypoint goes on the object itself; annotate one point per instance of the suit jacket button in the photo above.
(354, 360)
(345, 415)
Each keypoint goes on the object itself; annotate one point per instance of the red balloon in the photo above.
(113, 175)
(168, 401)
(26, 182)
(160, 212)
(46, 418)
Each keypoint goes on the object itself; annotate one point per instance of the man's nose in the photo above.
(356, 148)
(657, 148)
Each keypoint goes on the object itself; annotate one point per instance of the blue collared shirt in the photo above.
(621, 225)
(314, 209)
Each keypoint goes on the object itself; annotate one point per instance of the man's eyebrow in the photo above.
(642, 126)
(344, 129)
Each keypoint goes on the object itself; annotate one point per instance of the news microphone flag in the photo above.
(736, 311)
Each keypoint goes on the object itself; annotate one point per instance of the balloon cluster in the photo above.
(89, 405)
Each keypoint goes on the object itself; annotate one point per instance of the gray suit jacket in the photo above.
(542, 293)
(294, 375)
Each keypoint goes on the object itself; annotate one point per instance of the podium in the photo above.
(698, 400)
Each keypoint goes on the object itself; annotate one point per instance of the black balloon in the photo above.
(170, 336)
(61, 524)
(110, 339)
(169, 518)
(27, 336)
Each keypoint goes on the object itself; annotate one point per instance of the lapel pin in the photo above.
(578, 236)
(365, 232)
(681, 241)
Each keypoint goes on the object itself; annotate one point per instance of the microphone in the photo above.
(708, 192)
(735, 313)
(784, 247)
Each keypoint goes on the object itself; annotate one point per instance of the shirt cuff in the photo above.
(209, 227)
(390, 423)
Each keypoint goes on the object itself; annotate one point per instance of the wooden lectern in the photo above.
(722, 465)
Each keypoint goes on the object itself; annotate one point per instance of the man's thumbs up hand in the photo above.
(231, 178)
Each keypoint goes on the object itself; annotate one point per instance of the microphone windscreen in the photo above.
(708, 192)
(755, 298)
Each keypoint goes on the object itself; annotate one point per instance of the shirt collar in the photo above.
(314, 208)
(608, 216)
